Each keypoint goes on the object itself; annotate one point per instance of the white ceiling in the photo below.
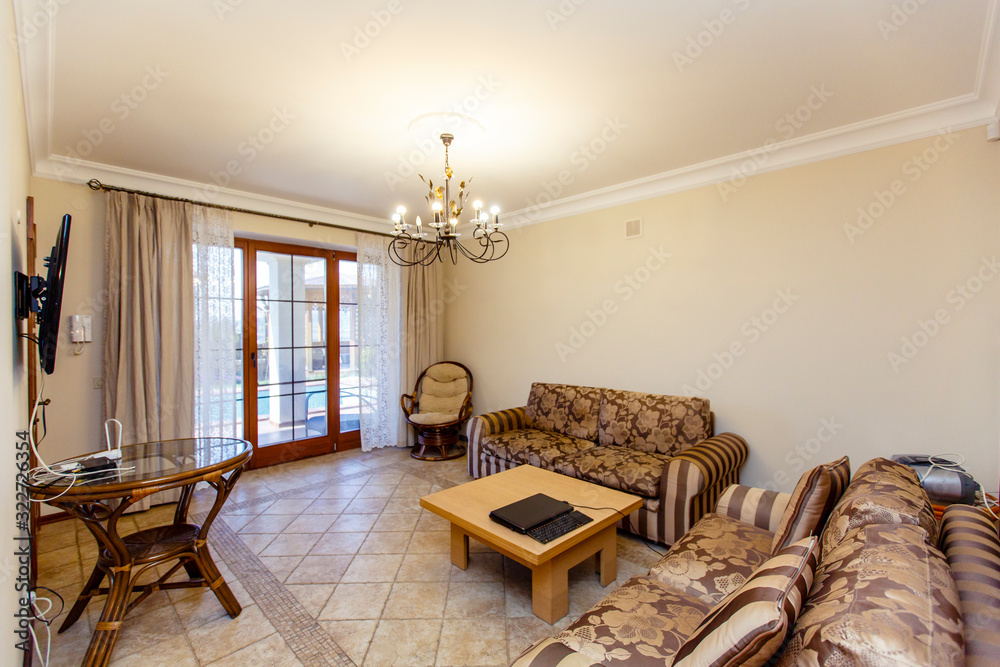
(524, 86)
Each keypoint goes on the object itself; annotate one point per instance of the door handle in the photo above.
(253, 358)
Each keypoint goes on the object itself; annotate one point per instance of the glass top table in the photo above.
(100, 501)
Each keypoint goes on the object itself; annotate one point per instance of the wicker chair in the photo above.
(440, 402)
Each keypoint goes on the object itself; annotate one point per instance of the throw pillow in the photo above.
(805, 508)
(750, 625)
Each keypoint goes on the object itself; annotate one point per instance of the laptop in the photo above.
(530, 512)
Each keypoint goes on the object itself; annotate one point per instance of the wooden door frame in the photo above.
(294, 450)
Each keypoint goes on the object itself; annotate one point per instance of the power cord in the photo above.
(40, 615)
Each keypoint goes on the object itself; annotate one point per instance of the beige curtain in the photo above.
(423, 324)
(149, 328)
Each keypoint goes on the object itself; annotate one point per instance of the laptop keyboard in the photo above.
(559, 526)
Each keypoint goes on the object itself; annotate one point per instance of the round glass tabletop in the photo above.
(147, 463)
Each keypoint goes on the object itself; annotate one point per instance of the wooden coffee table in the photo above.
(468, 507)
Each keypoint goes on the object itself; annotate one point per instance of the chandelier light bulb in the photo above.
(396, 217)
(477, 204)
(418, 222)
(436, 206)
(401, 210)
(495, 210)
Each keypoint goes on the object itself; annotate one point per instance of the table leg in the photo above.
(549, 592)
(106, 630)
(93, 583)
(459, 548)
(608, 555)
(215, 582)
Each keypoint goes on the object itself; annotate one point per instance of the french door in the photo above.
(298, 351)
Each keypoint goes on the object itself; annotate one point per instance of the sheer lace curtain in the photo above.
(217, 411)
(380, 333)
(423, 328)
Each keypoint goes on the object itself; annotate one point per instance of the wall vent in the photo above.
(633, 228)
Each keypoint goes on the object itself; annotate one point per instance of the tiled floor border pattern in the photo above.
(312, 645)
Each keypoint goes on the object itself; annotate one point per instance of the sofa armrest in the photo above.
(970, 542)
(757, 507)
(693, 480)
(490, 423)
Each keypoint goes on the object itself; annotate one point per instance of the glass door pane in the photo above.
(291, 347)
(350, 410)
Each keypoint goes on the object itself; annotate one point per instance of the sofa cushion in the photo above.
(618, 468)
(550, 652)
(652, 423)
(840, 477)
(432, 418)
(805, 508)
(970, 543)
(751, 624)
(642, 623)
(564, 409)
(533, 447)
(882, 596)
(714, 558)
(881, 492)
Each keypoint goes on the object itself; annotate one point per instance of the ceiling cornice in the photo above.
(951, 116)
(976, 109)
(61, 168)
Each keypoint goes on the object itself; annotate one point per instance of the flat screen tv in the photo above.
(44, 297)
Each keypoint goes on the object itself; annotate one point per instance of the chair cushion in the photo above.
(652, 423)
(750, 625)
(714, 558)
(882, 596)
(970, 543)
(533, 447)
(618, 468)
(881, 492)
(443, 389)
(445, 372)
(642, 623)
(564, 409)
(432, 418)
(805, 508)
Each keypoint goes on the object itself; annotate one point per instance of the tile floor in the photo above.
(334, 563)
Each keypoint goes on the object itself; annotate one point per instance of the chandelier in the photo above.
(411, 245)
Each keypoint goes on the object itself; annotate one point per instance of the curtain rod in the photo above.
(95, 185)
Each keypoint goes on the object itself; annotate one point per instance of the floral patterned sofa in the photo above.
(657, 447)
(867, 577)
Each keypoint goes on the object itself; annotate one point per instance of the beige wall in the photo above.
(770, 308)
(14, 172)
(75, 416)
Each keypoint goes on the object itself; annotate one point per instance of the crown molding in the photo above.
(60, 168)
(949, 116)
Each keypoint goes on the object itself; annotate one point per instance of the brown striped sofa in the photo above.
(661, 448)
(824, 576)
